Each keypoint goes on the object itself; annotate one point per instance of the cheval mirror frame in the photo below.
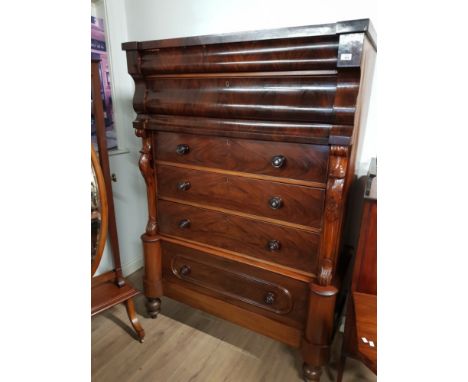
(110, 288)
(102, 219)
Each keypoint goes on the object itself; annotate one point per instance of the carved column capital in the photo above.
(147, 170)
(140, 132)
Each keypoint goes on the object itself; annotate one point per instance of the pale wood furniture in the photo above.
(249, 147)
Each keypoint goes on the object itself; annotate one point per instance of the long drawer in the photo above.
(267, 293)
(276, 54)
(279, 159)
(269, 98)
(278, 244)
(291, 203)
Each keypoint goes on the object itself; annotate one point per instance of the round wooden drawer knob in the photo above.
(182, 149)
(274, 245)
(270, 298)
(276, 202)
(184, 185)
(184, 270)
(185, 223)
(278, 161)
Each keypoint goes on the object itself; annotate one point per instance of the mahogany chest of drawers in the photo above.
(249, 147)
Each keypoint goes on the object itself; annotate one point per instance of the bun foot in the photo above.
(153, 306)
(311, 373)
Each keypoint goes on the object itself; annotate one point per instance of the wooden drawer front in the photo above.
(254, 289)
(297, 54)
(289, 246)
(292, 203)
(288, 98)
(293, 160)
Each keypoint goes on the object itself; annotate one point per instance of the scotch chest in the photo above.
(249, 147)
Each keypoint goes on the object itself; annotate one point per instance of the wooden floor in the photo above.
(187, 345)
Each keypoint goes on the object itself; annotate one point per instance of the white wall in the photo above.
(129, 190)
(150, 20)
(130, 20)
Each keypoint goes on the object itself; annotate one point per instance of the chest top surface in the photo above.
(343, 27)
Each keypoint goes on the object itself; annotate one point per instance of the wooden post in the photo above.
(104, 161)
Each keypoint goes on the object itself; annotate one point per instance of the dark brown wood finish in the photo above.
(150, 239)
(274, 200)
(249, 146)
(363, 26)
(287, 246)
(277, 131)
(305, 53)
(260, 323)
(301, 162)
(279, 298)
(301, 99)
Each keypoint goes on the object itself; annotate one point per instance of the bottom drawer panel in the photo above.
(270, 294)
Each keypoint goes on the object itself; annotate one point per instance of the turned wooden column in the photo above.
(318, 335)
(151, 241)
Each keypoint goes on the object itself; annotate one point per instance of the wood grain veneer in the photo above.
(249, 145)
(274, 295)
(302, 162)
(296, 248)
(291, 203)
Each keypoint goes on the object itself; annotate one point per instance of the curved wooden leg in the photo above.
(153, 306)
(312, 373)
(134, 319)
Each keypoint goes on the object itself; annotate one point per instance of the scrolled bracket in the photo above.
(140, 133)
(338, 164)
(334, 206)
(147, 170)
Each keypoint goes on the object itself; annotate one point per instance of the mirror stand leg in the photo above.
(134, 319)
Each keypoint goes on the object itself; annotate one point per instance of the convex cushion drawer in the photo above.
(288, 202)
(277, 98)
(305, 162)
(274, 243)
(300, 54)
(277, 296)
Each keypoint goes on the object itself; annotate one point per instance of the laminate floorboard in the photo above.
(187, 345)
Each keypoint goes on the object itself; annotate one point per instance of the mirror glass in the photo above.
(96, 218)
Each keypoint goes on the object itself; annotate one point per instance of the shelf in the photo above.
(108, 294)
